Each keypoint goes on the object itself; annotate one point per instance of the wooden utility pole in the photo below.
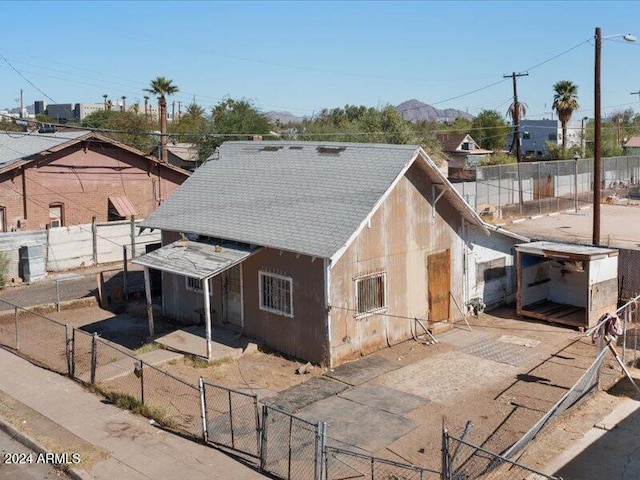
(516, 131)
(597, 153)
(21, 104)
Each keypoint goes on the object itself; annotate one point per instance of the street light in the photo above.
(583, 143)
(576, 157)
(597, 153)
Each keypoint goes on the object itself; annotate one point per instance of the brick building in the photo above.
(68, 178)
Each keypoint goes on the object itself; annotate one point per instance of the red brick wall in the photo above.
(83, 180)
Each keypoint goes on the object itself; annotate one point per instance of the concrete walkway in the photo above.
(127, 446)
(611, 449)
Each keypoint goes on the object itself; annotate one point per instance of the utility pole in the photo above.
(21, 103)
(173, 111)
(516, 130)
(597, 153)
(179, 109)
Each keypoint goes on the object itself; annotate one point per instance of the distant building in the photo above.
(463, 153)
(535, 134)
(77, 112)
(632, 146)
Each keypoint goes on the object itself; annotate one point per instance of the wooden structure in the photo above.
(568, 284)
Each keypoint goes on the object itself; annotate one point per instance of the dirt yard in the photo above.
(502, 376)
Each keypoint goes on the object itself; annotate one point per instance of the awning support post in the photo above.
(207, 314)
(147, 291)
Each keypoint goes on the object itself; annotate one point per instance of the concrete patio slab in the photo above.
(299, 396)
(501, 352)
(384, 398)
(192, 340)
(351, 423)
(460, 337)
(450, 375)
(363, 370)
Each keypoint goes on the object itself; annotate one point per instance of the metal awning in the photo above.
(195, 259)
(123, 206)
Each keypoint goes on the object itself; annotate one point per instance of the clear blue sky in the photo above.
(303, 56)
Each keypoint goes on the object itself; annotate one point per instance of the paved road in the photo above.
(33, 471)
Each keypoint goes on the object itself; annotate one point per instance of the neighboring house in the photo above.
(324, 251)
(71, 177)
(535, 134)
(632, 146)
(183, 155)
(463, 154)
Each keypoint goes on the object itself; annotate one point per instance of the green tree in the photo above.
(162, 88)
(490, 130)
(129, 127)
(231, 120)
(565, 102)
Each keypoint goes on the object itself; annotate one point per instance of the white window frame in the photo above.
(266, 308)
(373, 311)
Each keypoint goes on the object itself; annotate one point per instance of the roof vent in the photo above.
(296, 147)
(332, 150)
(271, 148)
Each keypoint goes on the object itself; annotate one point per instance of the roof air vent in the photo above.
(271, 148)
(332, 150)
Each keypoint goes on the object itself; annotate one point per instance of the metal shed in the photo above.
(569, 284)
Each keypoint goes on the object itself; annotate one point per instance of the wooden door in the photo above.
(233, 296)
(439, 278)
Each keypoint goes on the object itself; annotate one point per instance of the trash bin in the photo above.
(32, 263)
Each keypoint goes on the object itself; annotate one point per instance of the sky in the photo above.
(303, 56)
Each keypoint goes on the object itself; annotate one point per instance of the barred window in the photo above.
(276, 293)
(194, 284)
(371, 293)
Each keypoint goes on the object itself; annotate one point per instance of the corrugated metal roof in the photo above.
(15, 146)
(565, 249)
(305, 197)
(195, 259)
(123, 206)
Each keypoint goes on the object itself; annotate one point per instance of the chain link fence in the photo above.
(532, 188)
(291, 447)
(232, 418)
(464, 461)
(342, 464)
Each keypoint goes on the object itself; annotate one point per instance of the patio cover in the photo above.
(195, 259)
(123, 206)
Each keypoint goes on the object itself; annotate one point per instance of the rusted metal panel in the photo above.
(401, 234)
(439, 272)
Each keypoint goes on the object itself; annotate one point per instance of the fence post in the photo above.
(94, 357)
(233, 443)
(133, 236)
(142, 382)
(323, 451)
(263, 437)
(68, 347)
(446, 474)
(125, 261)
(203, 410)
(258, 428)
(15, 314)
(57, 295)
(73, 354)
(373, 468)
(94, 240)
(317, 461)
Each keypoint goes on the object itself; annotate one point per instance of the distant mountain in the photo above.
(285, 118)
(414, 110)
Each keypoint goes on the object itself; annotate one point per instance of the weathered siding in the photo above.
(83, 179)
(481, 250)
(302, 336)
(401, 235)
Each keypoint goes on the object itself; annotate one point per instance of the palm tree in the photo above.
(162, 87)
(194, 110)
(565, 102)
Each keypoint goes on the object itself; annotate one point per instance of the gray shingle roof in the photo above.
(284, 195)
(15, 146)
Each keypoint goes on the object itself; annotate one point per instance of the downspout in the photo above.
(159, 186)
(24, 191)
(327, 307)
